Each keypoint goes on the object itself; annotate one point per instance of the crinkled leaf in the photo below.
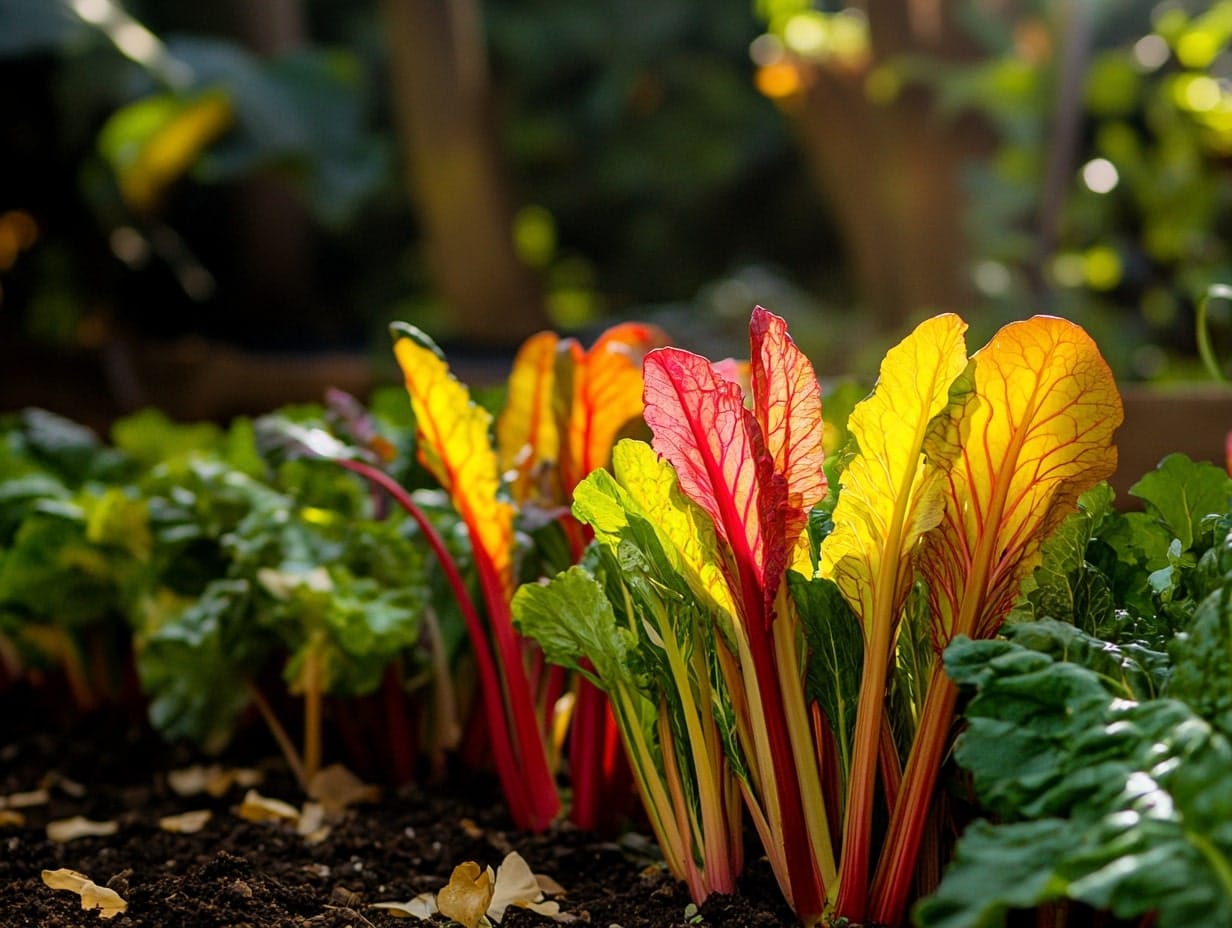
(467, 896)
(193, 666)
(1036, 433)
(891, 493)
(1137, 672)
(1114, 803)
(1065, 585)
(1203, 658)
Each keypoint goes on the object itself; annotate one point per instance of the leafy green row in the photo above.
(217, 553)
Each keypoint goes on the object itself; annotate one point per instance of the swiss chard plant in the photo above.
(960, 469)
(564, 408)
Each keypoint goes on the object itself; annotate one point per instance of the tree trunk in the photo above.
(891, 169)
(441, 97)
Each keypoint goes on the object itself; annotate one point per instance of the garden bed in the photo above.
(261, 874)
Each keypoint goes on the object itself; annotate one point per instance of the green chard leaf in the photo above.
(1203, 659)
(1118, 804)
(1180, 493)
(1066, 585)
(836, 653)
(573, 621)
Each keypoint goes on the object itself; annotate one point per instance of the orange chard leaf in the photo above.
(455, 447)
(605, 394)
(527, 437)
(1036, 432)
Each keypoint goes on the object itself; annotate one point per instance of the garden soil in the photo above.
(236, 873)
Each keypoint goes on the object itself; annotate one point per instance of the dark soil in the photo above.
(241, 874)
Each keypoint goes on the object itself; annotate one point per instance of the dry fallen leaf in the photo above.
(214, 779)
(335, 788)
(186, 823)
(35, 797)
(468, 894)
(516, 885)
(107, 901)
(10, 818)
(422, 906)
(311, 825)
(78, 826)
(258, 808)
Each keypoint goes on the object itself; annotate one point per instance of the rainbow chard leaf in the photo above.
(455, 447)
(1036, 434)
(702, 428)
(1034, 429)
(527, 437)
(605, 390)
(892, 494)
(757, 472)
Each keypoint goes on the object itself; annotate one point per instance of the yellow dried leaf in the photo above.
(186, 823)
(422, 906)
(34, 797)
(107, 901)
(214, 779)
(258, 808)
(65, 878)
(70, 829)
(515, 885)
(549, 885)
(10, 818)
(468, 894)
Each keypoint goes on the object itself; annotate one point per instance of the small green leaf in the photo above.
(1180, 493)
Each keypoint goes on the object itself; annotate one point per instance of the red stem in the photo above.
(526, 808)
(852, 901)
(398, 725)
(892, 883)
(586, 755)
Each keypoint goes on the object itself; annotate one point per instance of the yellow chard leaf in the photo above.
(526, 434)
(683, 531)
(891, 492)
(455, 447)
(1036, 434)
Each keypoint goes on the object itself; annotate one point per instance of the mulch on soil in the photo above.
(240, 874)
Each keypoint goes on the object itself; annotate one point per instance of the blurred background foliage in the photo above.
(297, 173)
